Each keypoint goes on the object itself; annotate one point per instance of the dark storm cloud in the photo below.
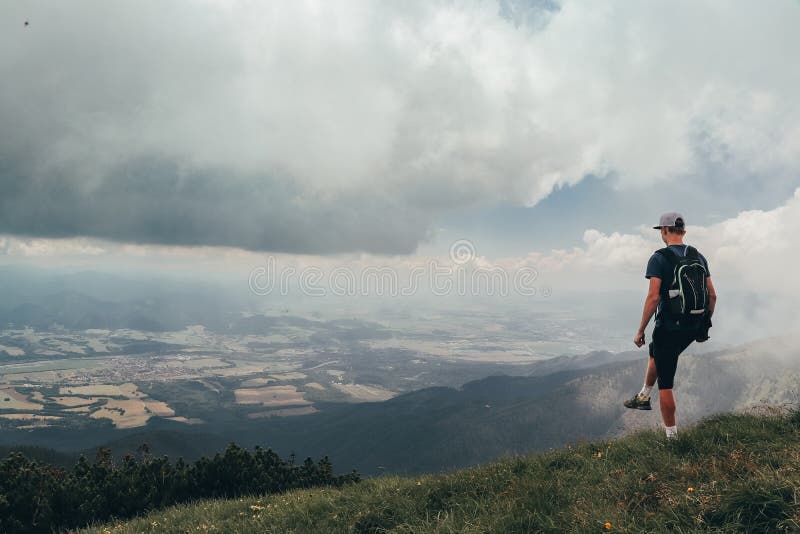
(154, 201)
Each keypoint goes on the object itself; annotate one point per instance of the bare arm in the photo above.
(712, 296)
(650, 305)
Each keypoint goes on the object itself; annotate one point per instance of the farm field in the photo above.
(11, 399)
(267, 366)
(365, 393)
(271, 396)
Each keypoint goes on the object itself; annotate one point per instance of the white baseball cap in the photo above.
(672, 218)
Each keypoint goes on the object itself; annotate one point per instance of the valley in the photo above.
(242, 365)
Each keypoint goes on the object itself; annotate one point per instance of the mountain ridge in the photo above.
(728, 473)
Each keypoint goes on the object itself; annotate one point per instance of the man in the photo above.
(672, 333)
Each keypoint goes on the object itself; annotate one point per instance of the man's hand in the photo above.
(638, 339)
(650, 307)
(702, 332)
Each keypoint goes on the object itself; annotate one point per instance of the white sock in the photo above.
(645, 392)
(672, 431)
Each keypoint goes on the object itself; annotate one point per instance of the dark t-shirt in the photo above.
(660, 267)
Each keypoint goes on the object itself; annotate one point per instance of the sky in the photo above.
(213, 133)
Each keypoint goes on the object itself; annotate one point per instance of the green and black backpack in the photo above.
(686, 296)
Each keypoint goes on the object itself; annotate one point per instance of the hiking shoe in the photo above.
(638, 403)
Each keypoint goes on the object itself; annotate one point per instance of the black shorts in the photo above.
(665, 348)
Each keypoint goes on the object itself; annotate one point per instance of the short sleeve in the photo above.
(705, 264)
(655, 267)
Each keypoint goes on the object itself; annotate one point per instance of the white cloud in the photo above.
(27, 248)
(752, 251)
(355, 125)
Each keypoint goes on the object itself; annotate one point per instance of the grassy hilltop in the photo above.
(729, 473)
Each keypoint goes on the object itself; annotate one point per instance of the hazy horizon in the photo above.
(205, 139)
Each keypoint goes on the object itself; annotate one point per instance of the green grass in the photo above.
(729, 473)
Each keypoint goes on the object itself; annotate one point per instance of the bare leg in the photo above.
(652, 374)
(667, 402)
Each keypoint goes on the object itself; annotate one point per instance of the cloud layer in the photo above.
(321, 127)
(750, 255)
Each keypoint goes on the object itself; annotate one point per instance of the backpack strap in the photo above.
(670, 255)
(672, 258)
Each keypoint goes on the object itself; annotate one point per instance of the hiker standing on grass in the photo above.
(683, 298)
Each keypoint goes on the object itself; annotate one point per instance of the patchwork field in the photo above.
(365, 393)
(114, 390)
(12, 351)
(78, 409)
(256, 382)
(195, 374)
(11, 399)
(40, 377)
(288, 376)
(271, 396)
(242, 369)
(131, 413)
(123, 404)
(105, 388)
(71, 402)
(22, 368)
